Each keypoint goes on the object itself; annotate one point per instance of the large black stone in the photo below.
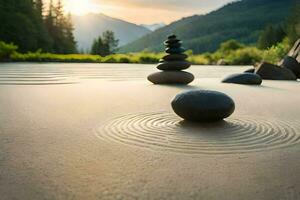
(174, 65)
(173, 57)
(175, 50)
(292, 64)
(245, 78)
(273, 72)
(203, 105)
(171, 77)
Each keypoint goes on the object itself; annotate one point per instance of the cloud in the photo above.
(149, 11)
(180, 5)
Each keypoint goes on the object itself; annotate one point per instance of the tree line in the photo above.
(31, 25)
(28, 24)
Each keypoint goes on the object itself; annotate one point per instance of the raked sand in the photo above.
(88, 131)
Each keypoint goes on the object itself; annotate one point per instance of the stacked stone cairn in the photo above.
(172, 64)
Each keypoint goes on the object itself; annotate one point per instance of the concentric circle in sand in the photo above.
(165, 131)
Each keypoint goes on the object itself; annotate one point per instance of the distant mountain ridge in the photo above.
(90, 26)
(153, 27)
(241, 20)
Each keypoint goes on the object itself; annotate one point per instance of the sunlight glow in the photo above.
(81, 7)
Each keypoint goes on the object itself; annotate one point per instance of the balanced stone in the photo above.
(203, 105)
(244, 78)
(175, 50)
(174, 45)
(174, 65)
(170, 37)
(171, 77)
(273, 72)
(173, 57)
(172, 41)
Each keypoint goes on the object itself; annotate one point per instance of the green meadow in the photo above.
(229, 53)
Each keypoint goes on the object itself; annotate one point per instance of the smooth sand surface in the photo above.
(88, 131)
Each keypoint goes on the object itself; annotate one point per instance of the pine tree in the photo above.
(60, 28)
(22, 25)
(49, 20)
(99, 48)
(58, 37)
(71, 43)
(44, 39)
(70, 36)
(59, 14)
(105, 45)
(97, 43)
(49, 23)
(110, 40)
(39, 6)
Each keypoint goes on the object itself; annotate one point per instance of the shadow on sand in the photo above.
(178, 86)
(208, 129)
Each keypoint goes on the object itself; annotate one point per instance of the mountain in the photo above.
(241, 20)
(90, 26)
(153, 27)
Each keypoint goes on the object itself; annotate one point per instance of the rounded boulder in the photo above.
(245, 79)
(203, 105)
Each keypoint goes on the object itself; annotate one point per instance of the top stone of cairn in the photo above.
(172, 37)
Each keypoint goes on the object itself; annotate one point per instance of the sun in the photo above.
(80, 7)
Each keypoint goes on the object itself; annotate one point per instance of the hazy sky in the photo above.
(144, 11)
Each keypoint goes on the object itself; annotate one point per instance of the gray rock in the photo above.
(173, 57)
(292, 64)
(171, 77)
(175, 50)
(252, 70)
(203, 105)
(272, 72)
(245, 78)
(174, 65)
